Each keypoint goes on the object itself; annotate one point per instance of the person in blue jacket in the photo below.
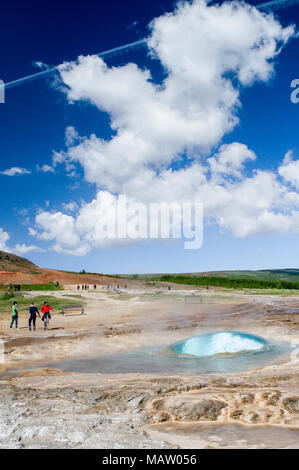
(33, 311)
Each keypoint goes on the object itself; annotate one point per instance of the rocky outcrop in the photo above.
(242, 406)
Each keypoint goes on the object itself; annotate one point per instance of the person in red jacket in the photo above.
(45, 310)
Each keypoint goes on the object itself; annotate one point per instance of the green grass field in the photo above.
(229, 282)
(24, 302)
(38, 287)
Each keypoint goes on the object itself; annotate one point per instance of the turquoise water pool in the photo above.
(219, 343)
(217, 352)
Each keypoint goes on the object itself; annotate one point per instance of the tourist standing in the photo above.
(15, 314)
(32, 315)
(45, 310)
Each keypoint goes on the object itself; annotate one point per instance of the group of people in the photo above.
(33, 313)
(16, 287)
(86, 287)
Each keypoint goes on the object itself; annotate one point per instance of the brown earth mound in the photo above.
(17, 270)
(10, 262)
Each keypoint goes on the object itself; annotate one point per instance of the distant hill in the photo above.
(290, 275)
(18, 270)
(263, 279)
(13, 263)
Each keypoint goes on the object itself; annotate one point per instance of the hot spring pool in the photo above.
(219, 343)
(218, 352)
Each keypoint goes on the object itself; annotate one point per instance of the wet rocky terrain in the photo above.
(44, 405)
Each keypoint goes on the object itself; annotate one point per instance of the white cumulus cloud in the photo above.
(15, 170)
(208, 53)
(22, 249)
(18, 249)
(45, 168)
(4, 237)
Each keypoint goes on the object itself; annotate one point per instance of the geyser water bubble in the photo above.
(220, 342)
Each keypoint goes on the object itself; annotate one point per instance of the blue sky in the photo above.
(36, 115)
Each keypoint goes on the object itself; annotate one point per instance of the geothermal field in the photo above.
(145, 367)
